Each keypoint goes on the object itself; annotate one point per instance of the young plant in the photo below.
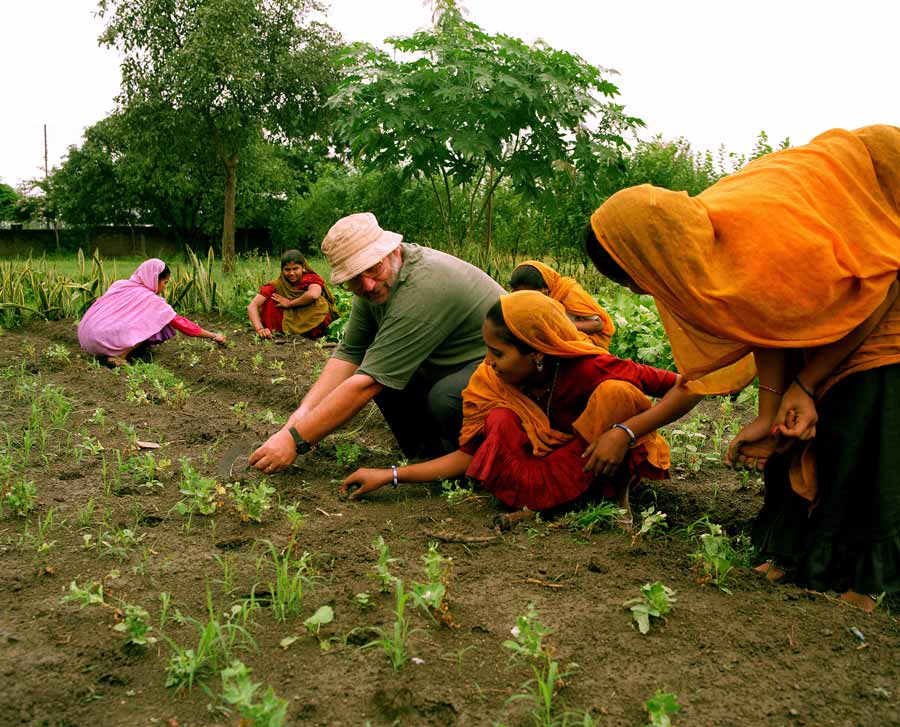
(117, 543)
(144, 470)
(655, 601)
(431, 596)
(601, 515)
(18, 499)
(135, 626)
(659, 708)
(239, 692)
(651, 523)
(88, 447)
(540, 692)
(346, 453)
(363, 600)
(58, 354)
(90, 595)
(394, 641)
(152, 383)
(252, 501)
(456, 492)
(323, 616)
(199, 493)
(290, 579)
(715, 557)
(382, 565)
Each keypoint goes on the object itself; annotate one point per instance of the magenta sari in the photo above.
(127, 314)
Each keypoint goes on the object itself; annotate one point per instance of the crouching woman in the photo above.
(548, 416)
(132, 313)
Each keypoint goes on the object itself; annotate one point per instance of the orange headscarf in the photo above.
(793, 251)
(541, 322)
(575, 299)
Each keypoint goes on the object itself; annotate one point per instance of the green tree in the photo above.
(9, 199)
(467, 110)
(235, 71)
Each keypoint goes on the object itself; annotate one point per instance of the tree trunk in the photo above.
(228, 253)
(490, 217)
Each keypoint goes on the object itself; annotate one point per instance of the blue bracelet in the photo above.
(632, 439)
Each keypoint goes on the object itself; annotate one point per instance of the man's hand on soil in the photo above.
(276, 454)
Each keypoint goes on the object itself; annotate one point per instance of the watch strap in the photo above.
(301, 445)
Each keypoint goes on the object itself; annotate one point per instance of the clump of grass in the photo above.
(151, 383)
(394, 641)
(598, 516)
(288, 578)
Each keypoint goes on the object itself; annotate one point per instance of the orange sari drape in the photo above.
(576, 300)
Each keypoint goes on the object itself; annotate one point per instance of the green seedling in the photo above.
(145, 470)
(715, 557)
(655, 601)
(456, 492)
(252, 501)
(256, 362)
(18, 499)
(165, 602)
(135, 626)
(290, 579)
(117, 543)
(198, 492)
(394, 642)
(90, 595)
(347, 453)
(239, 692)
(383, 564)
(88, 446)
(151, 383)
(57, 353)
(651, 523)
(98, 417)
(660, 707)
(242, 414)
(39, 540)
(363, 600)
(599, 516)
(528, 635)
(129, 431)
(431, 596)
(85, 515)
(323, 616)
(294, 517)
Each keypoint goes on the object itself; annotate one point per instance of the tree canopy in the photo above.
(236, 72)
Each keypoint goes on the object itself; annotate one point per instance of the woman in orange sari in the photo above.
(536, 404)
(788, 269)
(585, 312)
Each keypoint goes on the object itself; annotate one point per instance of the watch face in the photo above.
(301, 445)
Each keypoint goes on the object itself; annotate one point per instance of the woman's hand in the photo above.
(797, 415)
(366, 480)
(264, 332)
(282, 302)
(218, 338)
(751, 448)
(605, 455)
(276, 454)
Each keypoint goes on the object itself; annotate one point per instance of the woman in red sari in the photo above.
(297, 302)
(534, 408)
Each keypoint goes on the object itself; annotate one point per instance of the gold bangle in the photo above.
(769, 388)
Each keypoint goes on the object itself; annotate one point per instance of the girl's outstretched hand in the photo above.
(365, 480)
(752, 446)
(606, 453)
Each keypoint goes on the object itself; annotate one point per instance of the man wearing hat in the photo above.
(412, 342)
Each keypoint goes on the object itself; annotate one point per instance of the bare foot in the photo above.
(117, 361)
(509, 520)
(771, 571)
(859, 600)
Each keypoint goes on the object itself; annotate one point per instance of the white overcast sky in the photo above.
(714, 72)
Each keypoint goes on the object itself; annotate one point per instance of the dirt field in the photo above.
(770, 655)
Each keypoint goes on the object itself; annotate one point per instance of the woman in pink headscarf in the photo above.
(133, 312)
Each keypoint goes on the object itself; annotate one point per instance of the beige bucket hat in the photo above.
(356, 243)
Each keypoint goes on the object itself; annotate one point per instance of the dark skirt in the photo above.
(850, 539)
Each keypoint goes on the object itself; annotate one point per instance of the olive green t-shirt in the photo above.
(431, 321)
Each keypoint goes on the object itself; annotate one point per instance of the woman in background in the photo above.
(297, 302)
(133, 312)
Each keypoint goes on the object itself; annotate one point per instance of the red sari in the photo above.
(504, 462)
(272, 316)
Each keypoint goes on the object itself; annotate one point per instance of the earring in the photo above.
(539, 365)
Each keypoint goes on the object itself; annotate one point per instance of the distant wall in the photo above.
(120, 241)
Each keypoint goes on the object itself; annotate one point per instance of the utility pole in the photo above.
(46, 166)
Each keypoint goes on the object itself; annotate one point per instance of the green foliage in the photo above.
(528, 635)
(212, 63)
(651, 522)
(288, 579)
(455, 491)
(136, 626)
(655, 601)
(659, 708)
(252, 501)
(394, 641)
(600, 515)
(716, 556)
(466, 111)
(19, 498)
(346, 453)
(640, 335)
(383, 564)
(198, 493)
(153, 383)
(323, 616)
(431, 595)
(90, 595)
(9, 203)
(239, 692)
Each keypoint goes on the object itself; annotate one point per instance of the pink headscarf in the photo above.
(127, 314)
